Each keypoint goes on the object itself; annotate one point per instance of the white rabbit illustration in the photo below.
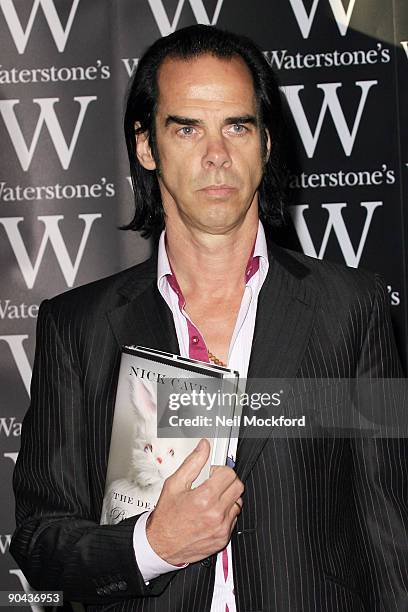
(153, 459)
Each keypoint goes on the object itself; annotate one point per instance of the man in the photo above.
(299, 524)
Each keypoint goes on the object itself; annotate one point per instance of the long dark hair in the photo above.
(141, 107)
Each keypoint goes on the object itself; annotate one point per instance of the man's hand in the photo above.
(190, 524)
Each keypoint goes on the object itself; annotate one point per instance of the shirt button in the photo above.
(195, 339)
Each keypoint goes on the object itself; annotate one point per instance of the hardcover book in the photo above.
(155, 425)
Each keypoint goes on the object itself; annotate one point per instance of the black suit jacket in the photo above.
(324, 522)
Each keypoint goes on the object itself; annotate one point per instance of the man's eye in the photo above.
(188, 130)
(238, 128)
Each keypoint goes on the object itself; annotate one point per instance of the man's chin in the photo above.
(217, 225)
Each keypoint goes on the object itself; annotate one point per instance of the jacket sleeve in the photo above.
(57, 542)
(381, 470)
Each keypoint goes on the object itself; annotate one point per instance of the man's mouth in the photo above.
(222, 190)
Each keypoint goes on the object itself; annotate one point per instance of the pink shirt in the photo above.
(192, 344)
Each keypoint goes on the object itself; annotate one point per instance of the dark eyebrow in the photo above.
(228, 121)
(181, 120)
(242, 119)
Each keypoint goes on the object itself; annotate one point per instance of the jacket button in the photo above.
(114, 587)
(100, 591)
(206, 562)
(122, 585)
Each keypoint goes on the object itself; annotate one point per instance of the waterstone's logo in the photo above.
(48, 117)
(21, 36)
(305, 20)
(335, 223)
(197, 6)
(331, 104)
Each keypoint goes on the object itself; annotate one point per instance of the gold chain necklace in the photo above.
(215, 360)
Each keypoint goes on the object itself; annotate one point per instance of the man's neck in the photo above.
(214, 264)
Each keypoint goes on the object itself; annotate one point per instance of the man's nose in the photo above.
(216, 154)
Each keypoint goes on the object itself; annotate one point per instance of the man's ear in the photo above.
(143, 150)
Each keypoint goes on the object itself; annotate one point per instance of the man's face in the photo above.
(208, 143)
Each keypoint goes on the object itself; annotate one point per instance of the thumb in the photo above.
(193, 464)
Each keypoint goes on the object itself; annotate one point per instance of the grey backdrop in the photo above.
(64, 188)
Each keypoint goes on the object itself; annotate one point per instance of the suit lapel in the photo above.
(285, 317)
(144, 319)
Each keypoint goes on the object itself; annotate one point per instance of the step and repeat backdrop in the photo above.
(64, 180)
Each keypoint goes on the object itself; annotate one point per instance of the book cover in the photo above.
(139, 459)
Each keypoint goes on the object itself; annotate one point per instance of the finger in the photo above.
(233, 524)
(218, 483)
(239, 503)
(225, 486)
(192, 464)
(232, 492)
(221, 477)
(214, 468)
(236, 509)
